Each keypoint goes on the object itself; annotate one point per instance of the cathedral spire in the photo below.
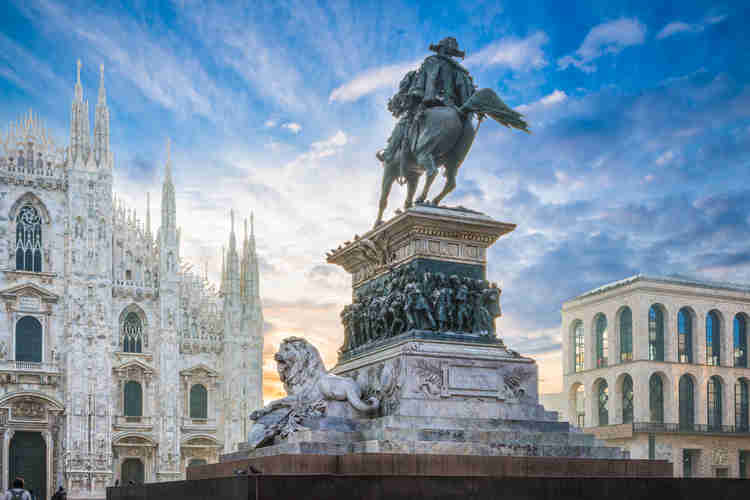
(168, 208)
(148, 215)
(101, 124)
(79, 122)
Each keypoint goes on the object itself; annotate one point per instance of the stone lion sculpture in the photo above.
(309, 387)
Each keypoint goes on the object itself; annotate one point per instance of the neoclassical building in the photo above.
(116, 360)
(659, 365)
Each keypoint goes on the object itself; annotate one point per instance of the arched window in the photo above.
(198, 401)
(684, 336)
(133, 399)
(29, 339)
(713, 339)
(687, 402)
(627, 400)
(28, 240)
(603, 402)
(740, 341)
(601, 340)
(132, 333)
(656, 398)
(714, 402)
(579, 345)
(656, 333)
(741, 421)
(626, 335)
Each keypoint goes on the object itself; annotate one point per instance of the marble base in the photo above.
(442, 378)
(441, 398)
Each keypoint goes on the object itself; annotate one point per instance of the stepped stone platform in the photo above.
(436, 436)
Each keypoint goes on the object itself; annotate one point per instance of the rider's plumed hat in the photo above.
(449, 46)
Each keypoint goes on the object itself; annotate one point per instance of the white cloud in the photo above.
(519, 54)
(678, 27)
(665, 157)
(293, 127)
(556, 97)
(372, 80)
(606, 38)
(270, 124)
(321, 149)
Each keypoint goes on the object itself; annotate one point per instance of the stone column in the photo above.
(699, 335)
(640, 329)
(641, 408)
(670, 333)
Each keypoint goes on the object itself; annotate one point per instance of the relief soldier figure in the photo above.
(418, 313)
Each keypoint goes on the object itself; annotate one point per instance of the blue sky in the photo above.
(640, 116)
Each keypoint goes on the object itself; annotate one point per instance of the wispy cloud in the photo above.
(606, 38)
(293, 127)
(676, 27)
(519, 54)
(371, 81)
(556, 97)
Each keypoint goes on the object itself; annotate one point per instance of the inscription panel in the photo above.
(472, 379)
(28, 303)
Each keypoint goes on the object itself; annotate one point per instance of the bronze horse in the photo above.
(444, 137)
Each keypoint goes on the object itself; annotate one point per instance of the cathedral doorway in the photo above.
(28, 460)
(132, 470)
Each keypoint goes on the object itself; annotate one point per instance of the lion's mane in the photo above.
(304, 365)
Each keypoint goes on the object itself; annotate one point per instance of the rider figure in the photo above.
(440, 81)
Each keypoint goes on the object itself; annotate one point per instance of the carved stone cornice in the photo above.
(438, 233)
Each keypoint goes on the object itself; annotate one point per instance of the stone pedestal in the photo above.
(421, 340)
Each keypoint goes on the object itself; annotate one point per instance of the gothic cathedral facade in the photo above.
(117, 362)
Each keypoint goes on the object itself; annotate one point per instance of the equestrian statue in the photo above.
(435, 106)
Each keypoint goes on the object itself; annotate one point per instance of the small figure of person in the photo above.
(17, 492)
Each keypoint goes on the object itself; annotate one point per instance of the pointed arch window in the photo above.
(132, 333)
(601, 341)
(687, 402)
(740, 341)
(656, 398)
(656, 333)
(133, 399)
(714, 402)
(627, 400)
(741, 414)
(626, 335)
(28, 240)
(713, 339)
(684, 336)
(198, 401)
(603, 403)
(578, 342)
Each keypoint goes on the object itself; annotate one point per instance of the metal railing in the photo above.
(27, 366)
(690, 428)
